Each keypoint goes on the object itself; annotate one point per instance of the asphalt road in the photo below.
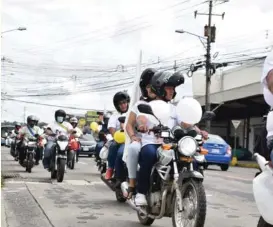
(32, 199)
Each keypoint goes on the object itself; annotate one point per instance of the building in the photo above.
(237, 95)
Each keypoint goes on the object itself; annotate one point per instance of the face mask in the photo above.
(60, 119)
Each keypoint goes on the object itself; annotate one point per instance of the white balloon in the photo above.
(189, 111)
(161, 110)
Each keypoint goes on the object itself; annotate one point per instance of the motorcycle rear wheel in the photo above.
(73, 162)
(263, 223)
(60, 170)
(201, 205)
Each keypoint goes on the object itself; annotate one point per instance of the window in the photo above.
(215, 139)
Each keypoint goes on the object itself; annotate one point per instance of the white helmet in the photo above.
(74, 120)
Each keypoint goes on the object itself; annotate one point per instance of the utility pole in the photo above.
(210, 32)
(24, 116)
(175, 66)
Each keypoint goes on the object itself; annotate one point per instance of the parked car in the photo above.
(219, 152)
(88, 144)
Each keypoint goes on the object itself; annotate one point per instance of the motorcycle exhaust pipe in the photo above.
(124, 188)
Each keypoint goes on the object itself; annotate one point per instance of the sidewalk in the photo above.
(248, 164)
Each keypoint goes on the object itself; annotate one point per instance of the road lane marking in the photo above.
(84, 163)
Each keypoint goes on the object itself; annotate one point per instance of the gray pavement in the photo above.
(32, 199)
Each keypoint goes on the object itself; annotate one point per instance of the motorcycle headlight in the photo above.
(187, 146)
(62, 144)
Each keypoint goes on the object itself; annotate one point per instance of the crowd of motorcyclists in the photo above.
(140, 146)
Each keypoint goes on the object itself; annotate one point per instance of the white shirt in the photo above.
(62, 128)
(79, 132)
(114, 122)
(30, 132)
(149, 138)
(268, 96)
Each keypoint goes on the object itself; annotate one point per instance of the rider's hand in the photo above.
(204, 134)
(142, 123)
(135, 138)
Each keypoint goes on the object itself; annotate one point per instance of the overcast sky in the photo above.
(94, 37)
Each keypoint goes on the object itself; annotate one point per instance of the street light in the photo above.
(208, 68)
(16, 29)
(183, 31)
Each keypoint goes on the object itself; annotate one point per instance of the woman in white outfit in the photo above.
(135, 145)
(267, 82)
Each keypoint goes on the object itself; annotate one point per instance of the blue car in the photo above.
(219, 152)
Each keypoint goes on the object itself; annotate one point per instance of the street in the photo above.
(32, 199)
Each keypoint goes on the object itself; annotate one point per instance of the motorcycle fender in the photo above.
(190, 174)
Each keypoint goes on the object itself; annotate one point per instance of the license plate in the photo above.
(86, 149)
(216, 151)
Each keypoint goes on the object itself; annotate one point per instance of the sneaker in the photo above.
(109, 174)
(140, 200)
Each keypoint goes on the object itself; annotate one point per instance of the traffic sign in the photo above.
(236, 123)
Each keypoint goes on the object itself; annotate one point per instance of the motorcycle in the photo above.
(9, 140)
(263, 193)
(31, 146)
(73, 148)
(102, 162)
(59, 157)
(199, 156)
(174, 184)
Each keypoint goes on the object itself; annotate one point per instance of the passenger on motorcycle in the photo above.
(267, 81)
(103, 130)
(14, 134)
(30, 131)
(163, 84)
(121, 102)
(59, 126)
(74, 122)
(132, 150)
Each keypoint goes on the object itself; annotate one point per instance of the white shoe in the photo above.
(140, 200)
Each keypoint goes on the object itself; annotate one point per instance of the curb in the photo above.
(248, 165)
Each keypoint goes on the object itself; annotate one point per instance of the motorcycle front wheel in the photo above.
(263, 223)
(60, 170)
(29, 163)
(194, 205)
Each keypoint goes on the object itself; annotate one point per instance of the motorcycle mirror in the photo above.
(143, 108)
(192, 132)
(208, 115)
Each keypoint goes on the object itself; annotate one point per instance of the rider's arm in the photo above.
(112, 124)
(131, 123)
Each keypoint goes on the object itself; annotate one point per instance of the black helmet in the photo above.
(145, 79)
(31, 120)
(118, 97)
(60, 113)
(162, 79)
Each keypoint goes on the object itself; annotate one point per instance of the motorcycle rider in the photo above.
(14, 134)
(121, 102)
(132, 150)
(267, 82)
(163, 84)
(74, 122)
(103, 130)
(30, 131)
(59, 126)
